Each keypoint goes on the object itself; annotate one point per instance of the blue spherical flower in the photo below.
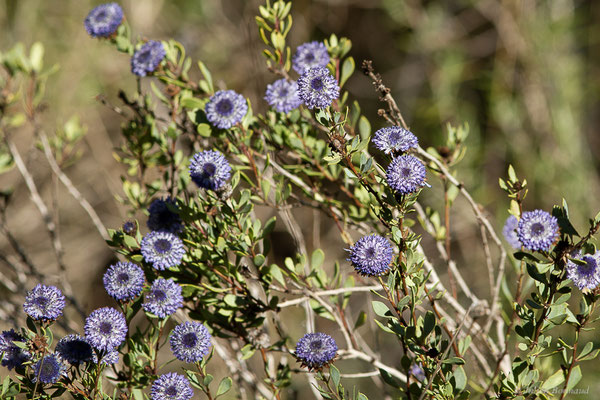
(309, 55)
(146, 59)
(315, 350)
(406, 174)
(190, 341)
(163, 298)
(209, 169)
(12, 355)
(49, 369)
(510, 232)
(105, 328)
(171, 386)
(225, 109)
(162, 249)
(162, 218)
(110, 358)
(371, 255)
(394, 139)
(283, 95)
(416, 370)
(75, 349)
(317, 88)
(129, 228)
(537, 230)
(124, 281)
(103, 20)
(44, 303)
(585, 274)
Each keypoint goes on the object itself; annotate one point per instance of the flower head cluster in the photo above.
(129, 227)
(105, 328)
(162, 249)
(161, 217)
(12, 355)
(171, 386)
(209, 169)
(124, 281)
(44, 303)
(190, 341)
(585, 273)
(416, 370)
(146, 59)
(49, 370)
(537, 230)
(315, 350)
(371, 255)
(394, 139)
(317, 88)
(225, 109)
(103, 20)
(75, 349)
(163, 298)
(309, 55)
(406, 174)
(510, 232)
(110, 358)
(283, 95)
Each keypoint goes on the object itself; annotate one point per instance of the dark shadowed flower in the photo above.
(103, 20)
(129, 228)
(537, 230)
(171, 386)
(75, 349)
(315, 350)
(226, 108)
(146, 59)
(394, 139)
(105, 328)
(162, 249)
(12, 355)
(371, 255)
(44, 303)
(585, 271)
(162, 218)
(406, 174)
(49, 369)
(190, 341)
(510, 232)
(309, 55)
(209, 169)
(110, 358)
(317, 88)
(283, 95)
(163, 298)
(124, 281)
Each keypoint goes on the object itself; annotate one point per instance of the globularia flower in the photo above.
(163, 298)
(587, 274)
(537, 230)
(394, 139)
(416, 370)
(226, 108)
(283, 95)
(103, 20)
(510, 232)
(371, 255)
(162, 249)
(209, 169)
(44, 303)
(49, 369)
(161, 217)
(315, 350)
(75, 349)
(124, 281)
(317, 88)
(171, 386)
(129, 227)
(309, 55)
(146, 59)
(406, 174)
(12, 355)
(190, 341)
(105, 328)
(110, 358)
